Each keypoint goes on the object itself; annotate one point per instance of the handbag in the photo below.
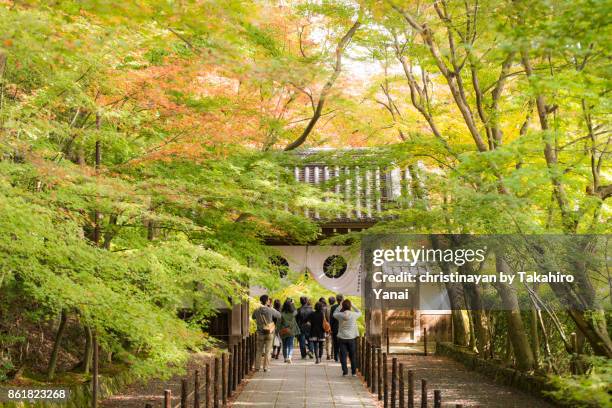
(326, 325)
(285, 332)
(267, 328)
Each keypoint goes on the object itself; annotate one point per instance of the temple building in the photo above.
(367, 190)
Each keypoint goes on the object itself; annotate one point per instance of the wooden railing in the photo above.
(374, 368)
(221, 378)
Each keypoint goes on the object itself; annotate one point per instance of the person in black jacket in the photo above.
(334, 326)
(277, 343)
(328, 314)
(302, 314)
(317, 332)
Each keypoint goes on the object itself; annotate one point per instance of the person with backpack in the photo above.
(318, 330)
(302, 314)
(334, 325)
(264, 318)
(288, 328)
(347, 317)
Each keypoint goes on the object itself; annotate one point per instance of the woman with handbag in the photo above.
(288, 328)
(317, 330)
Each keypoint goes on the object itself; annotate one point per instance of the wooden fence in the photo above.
(395, 386)
(217, 382)
(213, 387)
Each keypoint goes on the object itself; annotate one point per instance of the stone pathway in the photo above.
(304, 384)
(462, 386)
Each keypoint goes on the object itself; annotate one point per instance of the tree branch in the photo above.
(326, 88)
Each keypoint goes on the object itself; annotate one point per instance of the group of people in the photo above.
(330, 326)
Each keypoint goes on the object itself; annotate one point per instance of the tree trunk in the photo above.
(110, 233)
(516, 329)
(56, 345)
(98, 149)
(461, 321)
(535, 337)
(592, 323)
(96, 229)
(579, 297)
(88, 354)
(480, 321)
(508, 351)
(461, 328)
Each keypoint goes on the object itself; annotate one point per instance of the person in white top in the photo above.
(347, 316)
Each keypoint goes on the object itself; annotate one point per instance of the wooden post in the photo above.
(394, 382)
(379, 374)
(387, 340)
(183, 393)
(244, 359)
(368, 365)
(216, 383)
(240, 360)
(250, 356)
(250, 359)
(363, 361)
(402, 402)
(362, 356)
(365, 358)
(368, 362)
(423, 394)
(196, 389)
(410, 389)
(229, 374)
(167, 399)
(254, 341)
(425, 340)
(247, 355)
(254, 350)
(224, 379)
(95, 378)
(358, 356)
(235, 368)
(374, 364)
(385, 381)
(207, 391)
(437, 399)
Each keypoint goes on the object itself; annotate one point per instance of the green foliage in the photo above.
(589, 390)
(181, 219)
